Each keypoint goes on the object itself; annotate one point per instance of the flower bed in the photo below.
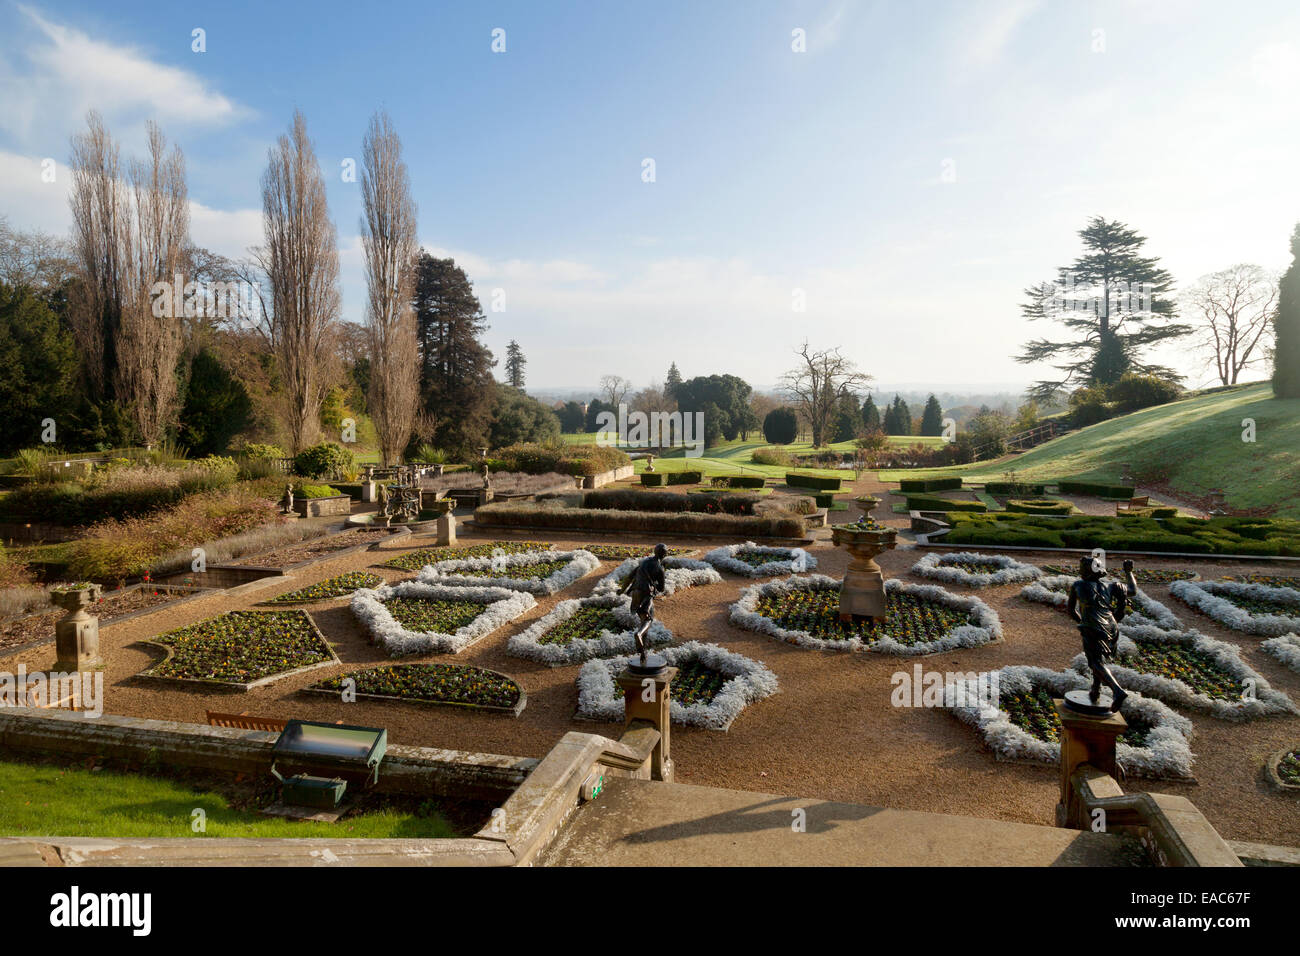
(679, 573)
(974, 570)
(415, 560)
(919, 618)
(1269, 580)
(712, 687)
(621, 552)
(1188, 669)
(1252, 608)
(1286, 648)
(1144, 610)
(451, 685)
(537, 572)
(241, 649)
(1025, 725)
(418, 618)
(1286, 767)
(578, 630)
(1143, 575)
(335, 587)
(758, 561)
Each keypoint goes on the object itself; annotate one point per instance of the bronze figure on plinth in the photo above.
(1097, 605)
(645, 581)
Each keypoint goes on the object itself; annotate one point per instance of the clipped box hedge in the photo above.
(1045, 506)
(795, 480)
(1227, 535)
(744, 481)
(742, 527)
(629, 499)
(684, 477)
(929, 484)
(1013, 488)
(931, 503)
(653, 479)
(1068, 486)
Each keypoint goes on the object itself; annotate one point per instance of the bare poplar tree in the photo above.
(301, 263)
(615, 388)
(1234, 317)
(150, 334)
(388, 234)
(100, 214)
(817, 384)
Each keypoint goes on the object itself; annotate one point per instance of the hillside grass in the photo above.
(1195, 445)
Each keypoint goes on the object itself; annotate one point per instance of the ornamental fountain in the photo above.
(862, 593)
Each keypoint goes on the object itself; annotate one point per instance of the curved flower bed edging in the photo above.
(401, 683)
(748, 681)
(1286, 648)
(529, 644)
(578, 564)
(415, 560)
(1283, 770)
(1204, 597)
(1166, 752)
(341, 585)
(198, 655)
(500, 606)
(1263, 701)
(984, 628)
(784, 560)
(679, 573)
(1055, 590)
(945, 567)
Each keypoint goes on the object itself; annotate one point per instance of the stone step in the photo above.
(643, 823)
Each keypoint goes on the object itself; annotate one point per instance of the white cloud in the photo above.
(68, 72)
(988, 29)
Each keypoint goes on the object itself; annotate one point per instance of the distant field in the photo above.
(1195, 445)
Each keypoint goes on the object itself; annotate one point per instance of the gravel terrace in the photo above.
(830, 733)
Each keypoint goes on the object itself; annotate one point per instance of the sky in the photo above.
(903, 176)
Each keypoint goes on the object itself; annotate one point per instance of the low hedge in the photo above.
(1040, 506)
(1227, 535)
(1013, 488)
(536, 459)
(629, 499)
(1068, 486)
(741, 527)
(931, 503)
(1155, 511)
(795, 480)
(684, 477)
(738, 481)
(930, 484)
(653, 479)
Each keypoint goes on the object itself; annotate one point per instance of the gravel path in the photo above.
(830, 733)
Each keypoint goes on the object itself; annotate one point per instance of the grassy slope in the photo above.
(47, 800)
(1194, 444)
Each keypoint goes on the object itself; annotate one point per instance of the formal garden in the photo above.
(513, 633)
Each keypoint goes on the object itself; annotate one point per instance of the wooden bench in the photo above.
(243, 721)
(1133, 504)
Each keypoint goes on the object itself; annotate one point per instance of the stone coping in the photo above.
(1274, 777)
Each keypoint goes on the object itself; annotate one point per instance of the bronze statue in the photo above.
(1097, 606)
(647, 579)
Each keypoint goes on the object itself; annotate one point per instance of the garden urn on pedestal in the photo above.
(862, 594)
(649, 462)
(76, 637)
(446, 520)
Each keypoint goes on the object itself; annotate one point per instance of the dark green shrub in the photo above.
(796, 480)
(684, 477)
(930, 484)
(537, 459)
(641, 522)
(1013, 488)
(780, 426)
(1133, 391)
(326, 460)
(629, 499)
(315, 491)
(1040, 506)
(653, 479)
(1069, 486)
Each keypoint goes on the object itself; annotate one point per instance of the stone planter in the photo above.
(862, 594)
(76, 637)
(321, 507)
(867, 503)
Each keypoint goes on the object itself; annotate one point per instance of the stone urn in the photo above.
(649, 462)
(867, 503)
(76, 637)
(862, 594)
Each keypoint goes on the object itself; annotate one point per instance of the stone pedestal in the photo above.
(76, 637)
(1089, 740)
(485, 496)
(369, 490)
(447, 529)
(862, 593)
(655, 710)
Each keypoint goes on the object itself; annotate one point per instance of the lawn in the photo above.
(1194, 444)
(51, 800)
